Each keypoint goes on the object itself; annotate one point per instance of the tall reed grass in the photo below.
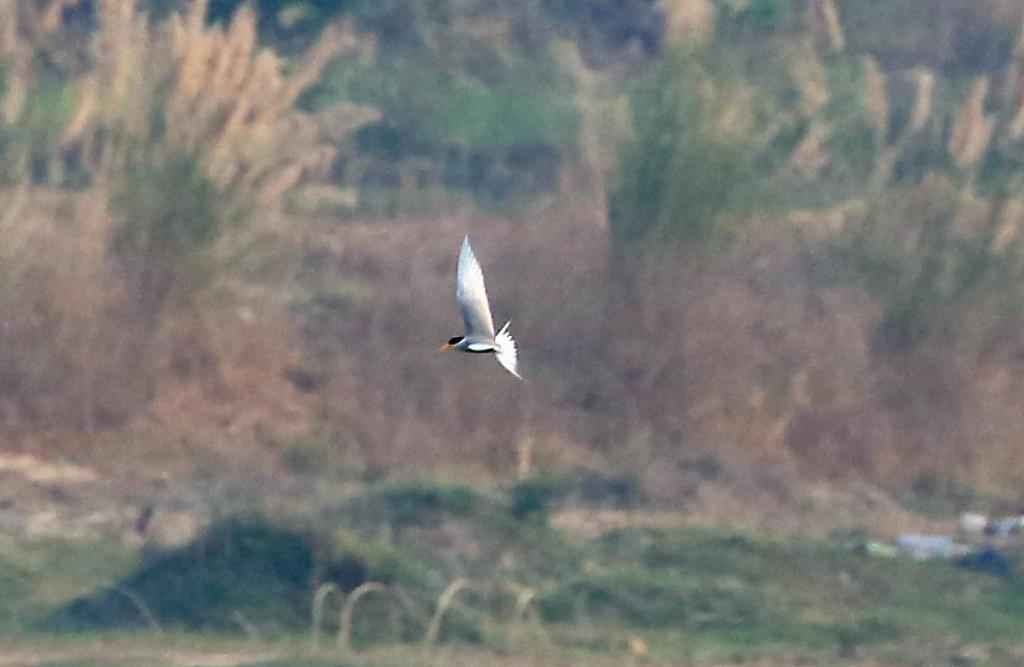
(141, 163)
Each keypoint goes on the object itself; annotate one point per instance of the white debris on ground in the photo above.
(973, 524)
(927, 547)
(1005, 527)
(976, 525)
(977, 533)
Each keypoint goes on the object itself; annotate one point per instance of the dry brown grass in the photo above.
(89, 333)
(742, 357)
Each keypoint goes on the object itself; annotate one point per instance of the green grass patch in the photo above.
(464, 532)
(678, 176)
(702, 593)
(37, 576)
(461, 117)
(741, 592)
(242, 568)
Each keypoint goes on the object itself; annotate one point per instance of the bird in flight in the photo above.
(471, 296)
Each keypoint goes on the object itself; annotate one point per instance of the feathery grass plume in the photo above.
(689, 21)
(876, 107)
(808, 74)
(1014, 90)
(824, 19)
(187, 87)
(1008, 228)
(524, 456)
(126, 53)
(27, 22)
(731, 107)
(876, 97)
(811, 155)
(924, 91)
(972, 129)
(164, 94)
(112, 113)
(1015, 128)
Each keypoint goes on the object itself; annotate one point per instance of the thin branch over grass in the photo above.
(347, 612)
(319, 600)
(444, 601)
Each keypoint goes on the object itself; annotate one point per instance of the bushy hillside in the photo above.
(777, 232)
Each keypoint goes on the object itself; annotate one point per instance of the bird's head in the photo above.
(452, 343)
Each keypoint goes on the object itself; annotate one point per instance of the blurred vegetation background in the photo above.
(779, 232)
(763, 259)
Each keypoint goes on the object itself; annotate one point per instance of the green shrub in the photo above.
(460, 114)
(533, 498)
(240, 565)
(415, 502)
(677, 176)
(167, 214)
(26, 144)
(736, 20)
(929, 266)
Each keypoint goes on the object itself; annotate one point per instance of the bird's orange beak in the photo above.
(446, 347)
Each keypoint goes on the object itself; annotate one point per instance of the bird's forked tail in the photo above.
(506, 350)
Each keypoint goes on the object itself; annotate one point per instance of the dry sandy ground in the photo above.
(115, 654)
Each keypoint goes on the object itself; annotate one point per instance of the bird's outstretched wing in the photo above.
(507, 353)
(472, 295)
